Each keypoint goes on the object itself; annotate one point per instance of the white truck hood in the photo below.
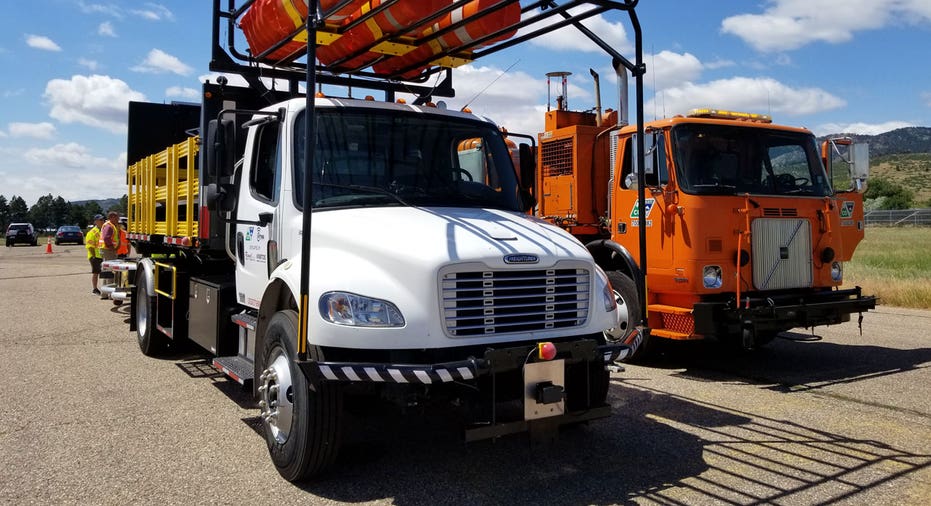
(400, 254)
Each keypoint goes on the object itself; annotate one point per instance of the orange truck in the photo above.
(745, 224)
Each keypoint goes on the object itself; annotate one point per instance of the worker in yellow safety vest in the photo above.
(91, 242)
(110, 236)
(109, 243)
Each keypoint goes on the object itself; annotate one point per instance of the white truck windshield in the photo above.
(371, 158)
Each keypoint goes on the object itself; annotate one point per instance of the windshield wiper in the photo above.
(367, 189)
(717, 187)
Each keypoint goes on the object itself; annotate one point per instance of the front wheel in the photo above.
(302, 421)
(628, 306)
(152, 341)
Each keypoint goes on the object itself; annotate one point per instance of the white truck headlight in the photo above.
(603, 286)
(711, 276)
(343, 308)
(837, 271)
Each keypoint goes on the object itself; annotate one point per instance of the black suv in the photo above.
(19, 233)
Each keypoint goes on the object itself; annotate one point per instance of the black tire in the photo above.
(628, 303)
(57, 242)
(152, 342)
(306, 442)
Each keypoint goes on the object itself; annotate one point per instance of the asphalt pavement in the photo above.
(838, 418)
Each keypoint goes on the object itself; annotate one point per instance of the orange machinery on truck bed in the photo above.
(746, 224)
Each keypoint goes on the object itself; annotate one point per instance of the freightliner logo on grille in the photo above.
(521, 259)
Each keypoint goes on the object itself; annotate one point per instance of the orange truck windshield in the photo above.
(731, 160)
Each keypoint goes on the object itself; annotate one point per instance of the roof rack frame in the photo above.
(290, 73)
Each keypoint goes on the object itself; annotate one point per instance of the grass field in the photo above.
(895, 265)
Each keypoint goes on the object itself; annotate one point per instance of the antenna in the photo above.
(467, 104)
(655, 91)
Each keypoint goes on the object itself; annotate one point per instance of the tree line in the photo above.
(52, 212)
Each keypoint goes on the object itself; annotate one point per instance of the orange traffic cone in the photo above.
(48, 246)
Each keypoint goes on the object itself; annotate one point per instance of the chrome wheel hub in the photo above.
(277, 398)
(623, 320)
(142, 312)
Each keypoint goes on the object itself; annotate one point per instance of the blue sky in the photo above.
(70, 67)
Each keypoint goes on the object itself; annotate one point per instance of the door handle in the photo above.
(240, 248)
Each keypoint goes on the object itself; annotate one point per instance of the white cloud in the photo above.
(719, 64)
(745, 94)
(108, 9)
(667, 69)
(160, 62)
(510, 102)
(571, 39)
(783, 60)
(43, 130)
(926, 96)
(182, 92)
(71, 154)
(154, 12)
(860, 128)
(106, 29)
(91, 65)
(790, 24)
(42, 42)
(69, 169)
(96, 100)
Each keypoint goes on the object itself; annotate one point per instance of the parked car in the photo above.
(69, 233)
(19, 233)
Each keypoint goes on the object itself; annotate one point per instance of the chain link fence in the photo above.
(898, 217)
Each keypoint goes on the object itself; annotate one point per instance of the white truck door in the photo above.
(257, 216)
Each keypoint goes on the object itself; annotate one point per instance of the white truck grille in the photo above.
(479, 303)
(781, 253)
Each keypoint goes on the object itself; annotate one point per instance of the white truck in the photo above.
(320, 247)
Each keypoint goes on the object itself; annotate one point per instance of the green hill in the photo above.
(902, 156)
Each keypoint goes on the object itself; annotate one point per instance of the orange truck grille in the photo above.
(781, 253)
(556, 157)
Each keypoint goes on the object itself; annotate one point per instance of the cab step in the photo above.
(671, 334)
(244, 320)
(238, 368)
(678, 322)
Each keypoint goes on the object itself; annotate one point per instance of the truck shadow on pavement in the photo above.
(789, 366)
(420, 459)
(661, 447)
